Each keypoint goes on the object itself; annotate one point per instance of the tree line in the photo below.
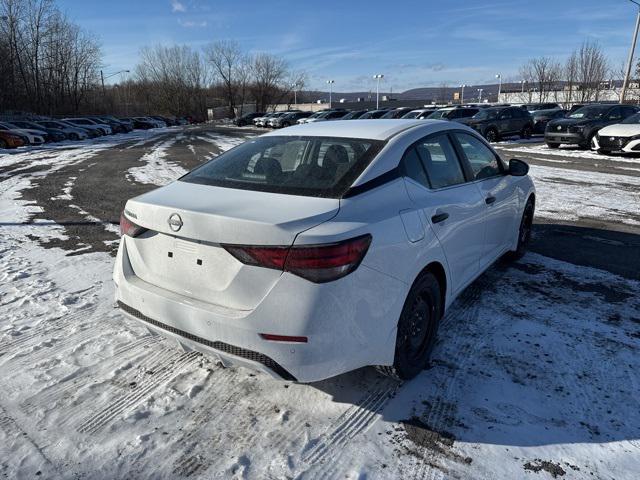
(581, 78)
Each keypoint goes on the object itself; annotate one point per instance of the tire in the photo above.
(3, 144)
(604, 152)
(492, 135)
(553, 145)
(586, 145)
(524, 232)
(526, 132)
(74, 136)
(417, 329)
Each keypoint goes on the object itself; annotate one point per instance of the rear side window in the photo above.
(484, 163)
(309, 166)
(440, 161)
(413, 168)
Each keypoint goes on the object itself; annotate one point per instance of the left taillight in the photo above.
(317, 263)
(127, 227)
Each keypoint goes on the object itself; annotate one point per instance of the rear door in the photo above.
(452, 206)
(497, 191)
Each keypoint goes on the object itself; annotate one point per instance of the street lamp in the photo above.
(480, 90)
(462, 94)
(522, 82)
(625, 84)
(295, 86)
(378, 77)
(330, 82)
(499, 77)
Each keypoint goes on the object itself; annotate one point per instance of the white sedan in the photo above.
(620, 137)
(318, 249)
(35, 137)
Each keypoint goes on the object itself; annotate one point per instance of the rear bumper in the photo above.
(349, 323)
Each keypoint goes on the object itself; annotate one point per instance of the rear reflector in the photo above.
(127, 227)
(283, 338)
(317, 263)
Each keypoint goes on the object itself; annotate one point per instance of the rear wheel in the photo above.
(3, 144)
(526, 132)
(492, 135)
(524, 232)
(417, 329)
(553, 145)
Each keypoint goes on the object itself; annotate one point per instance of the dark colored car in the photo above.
(289, 119)
(123, 126)
(354, 115)
(496, 122)
(53, 135)
(11, 140)
(247, 119)
(454, 113)
(542, 117)
(140, 124)
(373, 114)
(397, 112)
(579, 127)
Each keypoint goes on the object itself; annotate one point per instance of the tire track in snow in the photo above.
(144, 389)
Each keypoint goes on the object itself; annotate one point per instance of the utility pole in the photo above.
(499, 77)
(627, 75)
(462, 94)
(480, 90)
(378, 77)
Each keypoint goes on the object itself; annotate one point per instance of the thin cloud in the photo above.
(177, 6)
(191, 24)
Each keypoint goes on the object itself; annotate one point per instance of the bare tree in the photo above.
(592, 70)
(227, 60)
(571, 76)
(269, 73)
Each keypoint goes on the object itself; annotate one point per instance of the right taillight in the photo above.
(317, 263)
(127, 227)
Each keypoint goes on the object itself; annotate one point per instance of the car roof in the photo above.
(370, 129)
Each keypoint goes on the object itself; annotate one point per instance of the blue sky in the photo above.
(413, 42)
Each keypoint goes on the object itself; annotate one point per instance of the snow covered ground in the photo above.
(535, 375)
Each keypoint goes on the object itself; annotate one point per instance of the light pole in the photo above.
(330, 82)
(522, 82)
(499, 77)
(378, 77)
(480, 90)
(295, 93)
(462, 94)
(625, 84)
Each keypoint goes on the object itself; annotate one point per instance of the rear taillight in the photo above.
(127, 227)
(317, 263)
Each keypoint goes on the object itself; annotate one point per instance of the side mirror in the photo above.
(518, 168)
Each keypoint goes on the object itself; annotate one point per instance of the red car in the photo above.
(10, 140)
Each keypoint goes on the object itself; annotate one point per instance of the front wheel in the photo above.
(526, 132)
(524, 232)
(417, 329)
(553, 145)
(604, 152)
(491, 135)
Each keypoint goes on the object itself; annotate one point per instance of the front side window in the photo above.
(440, 161)
(309, 166)
(484, 163)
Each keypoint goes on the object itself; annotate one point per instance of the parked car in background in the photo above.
(619, 137)
(72, 133)
(579, 127)
(305, 268)
(90, 124)
(116, 124)
(53, 135)
(533, 108)
(542, 117)
(116, 127)
(127, 124)
(453, 113)
(496, 122)
(310, 117)
(418, 113)
(397, 112)
(34, 137)
(247, 119)
(152, 121)
(371, 114)
(327, 116)
(261, 121)
(269, 122)
(140, 123)
(354, 115)
(289, 119)
(10, 139)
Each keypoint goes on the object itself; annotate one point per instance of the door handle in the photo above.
(489, 200)
(440, 217)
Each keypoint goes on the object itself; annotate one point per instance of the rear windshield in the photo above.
(308, 166)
